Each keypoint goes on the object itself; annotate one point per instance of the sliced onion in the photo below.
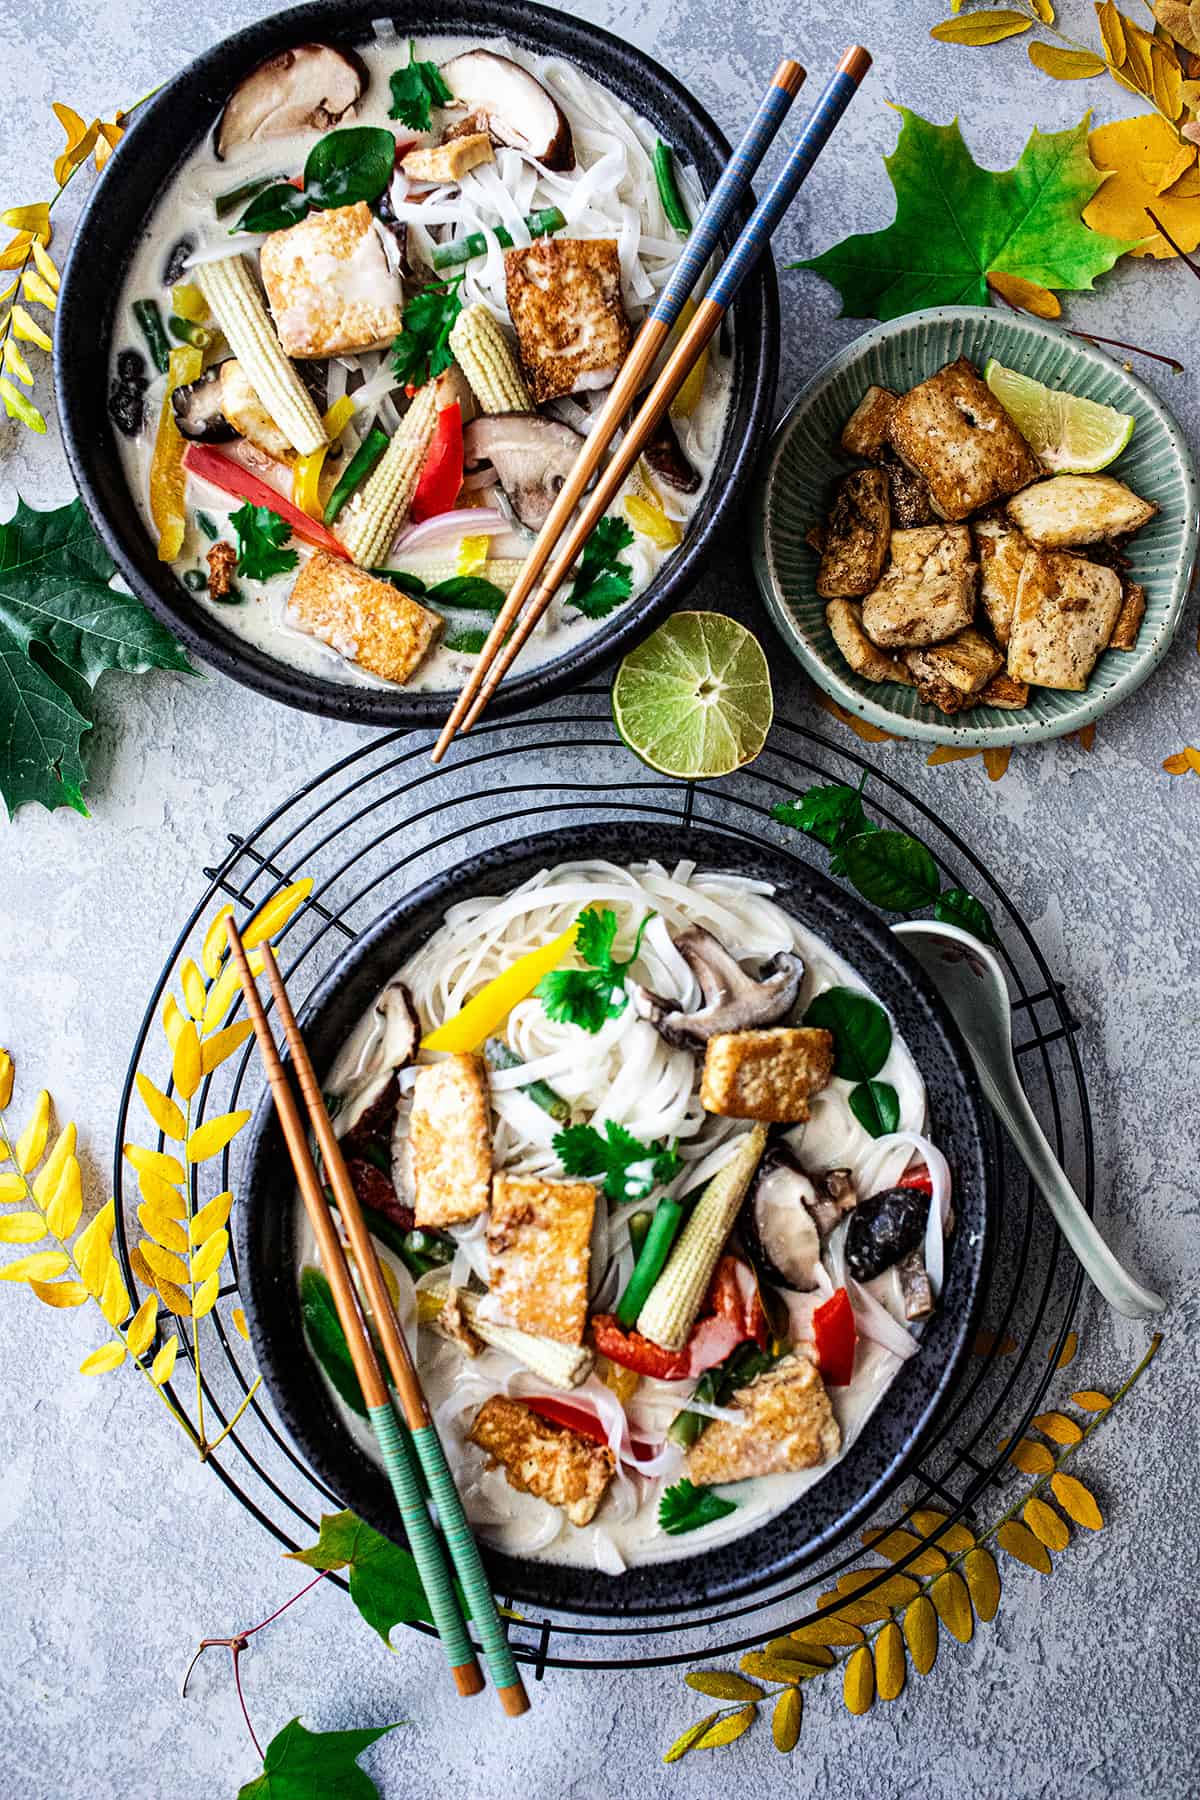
(463, 521)
(871, 1318)
(608, 1558)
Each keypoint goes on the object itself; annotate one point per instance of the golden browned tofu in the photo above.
(951, 675)
(329, 284)
(448, 161)
(857, 535)
(1078, 509)
(909, 493)
(952, 430)
(789, 1424)
(1129, 619)
(564, 296)
(844, 618)
(366, 620)
(865, 431)
(550, 1461)
(1001, 551)
(450, 1141)
(1065, 613)
(928, 590)
(538, 1241)
(1005, 691)
(247, 414)
(768, 1075)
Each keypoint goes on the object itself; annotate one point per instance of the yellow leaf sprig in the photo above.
(870, 1629)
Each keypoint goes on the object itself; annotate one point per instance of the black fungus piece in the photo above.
(175, 267)
(131, 367)
(127, 395)
(883, 1229)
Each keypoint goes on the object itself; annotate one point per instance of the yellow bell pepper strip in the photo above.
(487, 1010)
(167, 474)
(189, 302)
(306, 476)
(687, 399)
(472, 555)
(648, 517)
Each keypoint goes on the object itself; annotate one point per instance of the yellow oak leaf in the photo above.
(211, 1137)
(164, 1112)
(103, 1360)
(194, 991)
(216, 942)
(274, 915)
(157, 1162)
(1119, 208)
(43, 1265)
(140, 1333)
(21, 1227)
(210, 1218)
(164, 1363)
(60, 1293)
(28, 1149)
(51, 1170)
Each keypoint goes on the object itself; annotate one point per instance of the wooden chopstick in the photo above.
(750, 244)
(723, 201)
(451, 1516)
(423, 1539)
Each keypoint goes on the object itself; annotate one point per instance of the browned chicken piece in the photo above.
(789, 1424)
(538, 1240)
(1065, 613)
(1005, 691)
(951, 675)
(222, 570)
(768, 1075)
(1001, 550)
(449, 160)
(361, 617)
(865, 431)
(857, 535)
(927, 592)
(450, 1141)
(1129, 619)
(564, 297)
(909, 493)
(952, 430)
(844, 618)
(1069, 510)
(814, 537)
(550, 1461)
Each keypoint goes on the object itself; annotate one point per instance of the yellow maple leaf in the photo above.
(1129, 148)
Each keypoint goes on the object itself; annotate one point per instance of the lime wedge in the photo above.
(694, 700)
(1071, 435)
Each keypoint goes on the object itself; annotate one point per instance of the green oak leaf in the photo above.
(61, 627)
(957, 223)
(302, 1764)
(384, 1582)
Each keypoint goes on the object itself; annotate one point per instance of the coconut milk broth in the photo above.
(524, 1526)
(186, 209)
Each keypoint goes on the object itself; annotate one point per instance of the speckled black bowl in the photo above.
(168, 127)
(266, 1223)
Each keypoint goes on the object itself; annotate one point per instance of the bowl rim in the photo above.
(1088, 707)
(417, 914)
(89, 438)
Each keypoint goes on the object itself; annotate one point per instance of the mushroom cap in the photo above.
(518, 108)
(778, 1224)
(532, 456)
(199, 411)
(311, 87)
(883, 1229)
(733, 1000)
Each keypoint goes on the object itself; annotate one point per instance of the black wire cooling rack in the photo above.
(383, 820)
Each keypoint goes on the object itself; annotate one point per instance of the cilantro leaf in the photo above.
(956, 224)
(261, 535)
(595, 936)
(61, 626)
(602, 580)
(587, 997)
(416, 89)
(423, 348)
(685, 1508)
(300, 1763)
(631, 1169)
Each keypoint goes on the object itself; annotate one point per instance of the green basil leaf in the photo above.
(957, 907)
(346, 166)
(467, 643)
(471, 592)
(890, 869)
(412, 585)
(327, 1340)
(876, 1106)
(274, 209)
(862, 1031)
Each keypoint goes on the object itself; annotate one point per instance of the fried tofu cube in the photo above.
(844, 619)
(1001, 551)
(909, 493)
(538, 1240)
(1065, 613)
(952, 430)
(448, 161)
(788, 1424)
(951, 675)
(1078, 509)
(928, 591)
(450, 1141)
(768, 1075)
(1004, 691)
(550, 1461)
(564, 296)
(865, 431)
(858, 535)
(329, 284)
(366, 620)
(1129, 619)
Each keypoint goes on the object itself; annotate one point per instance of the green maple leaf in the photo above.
(957, 223)
(302, 1765)
(61, 627)
(384, 1582)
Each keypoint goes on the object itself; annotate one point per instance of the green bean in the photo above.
(664, 1228)
(209, 527)
(668, 188)
(150, 319)
(356, 470)
(497, 1052)
(188, 332)
(538, 224)
(225, 203)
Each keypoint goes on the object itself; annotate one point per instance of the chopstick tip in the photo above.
(468, 1679)
(856, 62)
(514, 1699)
(790, 76)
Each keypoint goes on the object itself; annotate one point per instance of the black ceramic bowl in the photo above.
(167, 129)
(266, 1223)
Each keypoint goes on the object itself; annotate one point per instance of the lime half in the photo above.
(695, 699)
(1071, 435)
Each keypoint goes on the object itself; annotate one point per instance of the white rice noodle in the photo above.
(871, 1318)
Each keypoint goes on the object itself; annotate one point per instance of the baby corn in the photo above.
(485, 357)
(228, 287)
(373, 516)
(676, 1297)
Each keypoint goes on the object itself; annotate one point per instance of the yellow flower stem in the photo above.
(191, 1251)
(208, 1449)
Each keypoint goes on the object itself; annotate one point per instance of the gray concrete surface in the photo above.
(119, 1552)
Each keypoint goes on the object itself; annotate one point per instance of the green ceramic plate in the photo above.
(804, 460)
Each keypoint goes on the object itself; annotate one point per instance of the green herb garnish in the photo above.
(587, 997)
(423, 348)
(862, 1043)
(416, 90)
(343, 167)
(261, 535)
(685, 1507)
(602, 580)
(631, 1169)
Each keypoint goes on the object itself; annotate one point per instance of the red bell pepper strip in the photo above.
(917, 1178)
(222, 472)
(836, 1338)
(633, 1351)
(561, 1412)
(442, 472)
(733, 1295)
